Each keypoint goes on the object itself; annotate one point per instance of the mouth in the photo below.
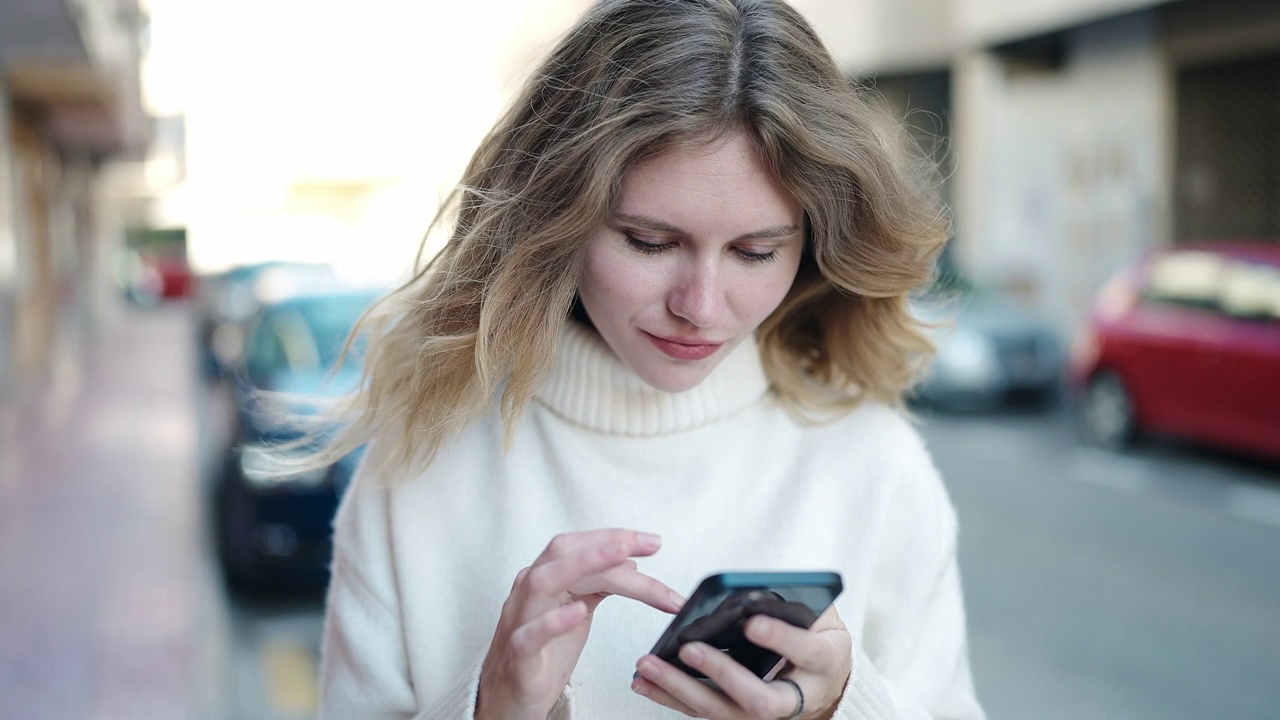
(684, 349)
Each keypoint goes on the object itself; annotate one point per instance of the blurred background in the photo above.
(198, 198)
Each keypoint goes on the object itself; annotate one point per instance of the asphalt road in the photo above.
(1144, 585)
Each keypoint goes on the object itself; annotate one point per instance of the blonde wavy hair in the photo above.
(632, 79)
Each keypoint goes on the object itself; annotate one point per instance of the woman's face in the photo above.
(702, 247)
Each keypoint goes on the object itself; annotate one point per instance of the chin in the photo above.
(676, 382)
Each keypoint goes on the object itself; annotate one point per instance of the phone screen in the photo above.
(718, 610)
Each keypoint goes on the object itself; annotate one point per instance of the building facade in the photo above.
(69, 103)
(1079, 132)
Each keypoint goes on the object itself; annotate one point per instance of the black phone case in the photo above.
(718, 610)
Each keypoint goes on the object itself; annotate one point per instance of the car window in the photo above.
(1251, 291)
(304, 335)
(1188, 279)
(264, 351)
(1208, 281)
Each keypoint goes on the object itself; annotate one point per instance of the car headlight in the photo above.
(263, 471)
(967, 358)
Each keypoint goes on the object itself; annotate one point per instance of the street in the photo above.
(1144, 585)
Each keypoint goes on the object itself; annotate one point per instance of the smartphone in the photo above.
(717, 612)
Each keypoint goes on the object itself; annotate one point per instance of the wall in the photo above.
(869, 37)
(1062, 171)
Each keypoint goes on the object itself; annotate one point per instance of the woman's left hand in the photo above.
(819, 661)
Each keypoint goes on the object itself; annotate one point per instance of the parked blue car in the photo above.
(275, 533)
(991, 353)
(226, 300)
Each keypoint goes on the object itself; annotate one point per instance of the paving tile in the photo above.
(104, 588)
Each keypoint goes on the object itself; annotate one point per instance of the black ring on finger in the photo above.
(799, 697)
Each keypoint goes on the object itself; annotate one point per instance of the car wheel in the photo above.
(1105, 415)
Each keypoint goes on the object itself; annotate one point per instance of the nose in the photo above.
(698, 296)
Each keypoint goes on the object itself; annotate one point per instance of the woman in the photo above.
(668, 337)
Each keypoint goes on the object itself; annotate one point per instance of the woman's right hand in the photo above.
(547, 617)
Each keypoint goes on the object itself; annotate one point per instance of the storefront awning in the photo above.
(79, 102)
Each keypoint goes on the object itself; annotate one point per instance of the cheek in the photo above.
(614, 283)
(760, 296)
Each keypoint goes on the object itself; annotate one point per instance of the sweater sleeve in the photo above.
(911, 660)
(364, 665)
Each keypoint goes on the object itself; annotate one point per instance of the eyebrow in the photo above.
(649, 223)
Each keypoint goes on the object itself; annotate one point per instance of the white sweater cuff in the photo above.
(868, 696)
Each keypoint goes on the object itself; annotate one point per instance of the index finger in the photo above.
(601, 570)
(638, 543)
(631, 583)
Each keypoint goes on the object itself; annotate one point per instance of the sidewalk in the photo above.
(108, 606)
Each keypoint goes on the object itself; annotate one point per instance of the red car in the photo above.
(150, 277)
(1185, 343)
(176, 278)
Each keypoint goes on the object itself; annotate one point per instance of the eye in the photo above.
(756, 257)
(648, 247)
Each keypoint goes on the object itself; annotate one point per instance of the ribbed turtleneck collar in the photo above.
(591, 386)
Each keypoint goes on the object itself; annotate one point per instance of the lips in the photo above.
(684, 349)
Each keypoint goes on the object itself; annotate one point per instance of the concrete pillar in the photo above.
(975, 131)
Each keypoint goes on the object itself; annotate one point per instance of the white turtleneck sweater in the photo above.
(422, 565)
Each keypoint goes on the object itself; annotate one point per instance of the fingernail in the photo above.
(677, 600)
(692, 654)
(638, 687)
(649, 539)
(650, 669)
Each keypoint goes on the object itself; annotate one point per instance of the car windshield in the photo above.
(305, 334)
(1209, 281)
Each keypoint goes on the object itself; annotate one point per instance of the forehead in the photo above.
(722, 183)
